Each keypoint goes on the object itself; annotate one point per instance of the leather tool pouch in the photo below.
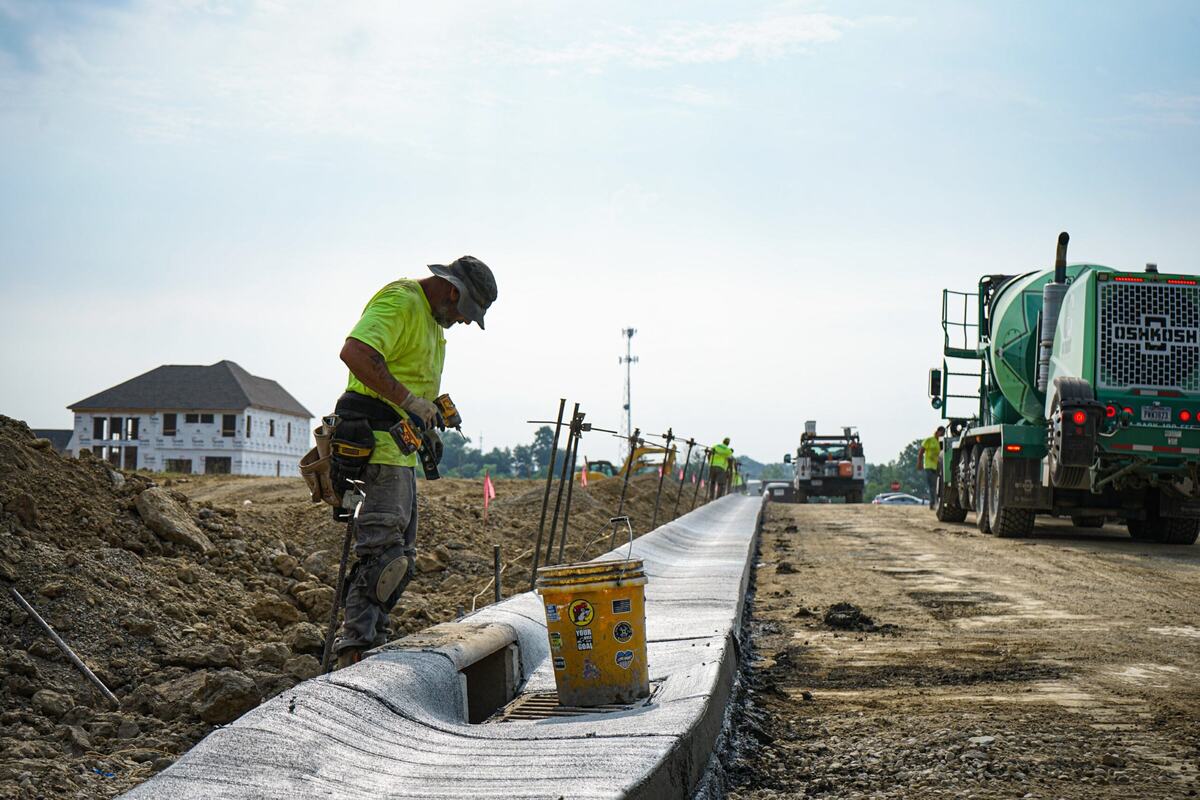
(317, 473)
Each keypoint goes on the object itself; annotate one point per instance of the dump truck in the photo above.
(827, 466)
(1082, 386)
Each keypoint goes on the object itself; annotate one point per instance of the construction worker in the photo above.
(929, 456)
(718, 467)
(395, 355)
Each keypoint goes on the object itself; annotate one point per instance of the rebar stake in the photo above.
(537, 549)
(64, 647)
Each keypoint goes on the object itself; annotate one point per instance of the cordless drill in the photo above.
(413, 437)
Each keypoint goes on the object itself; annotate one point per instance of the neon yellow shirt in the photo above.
(720, 455)
(398, 323)
(933, 451)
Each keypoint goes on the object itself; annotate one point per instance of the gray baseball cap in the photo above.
(475, 283)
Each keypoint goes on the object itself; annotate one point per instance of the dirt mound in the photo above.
(848, 617)
(195, 600)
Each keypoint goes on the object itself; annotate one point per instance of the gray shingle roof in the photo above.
(223, 386)
(58, 437)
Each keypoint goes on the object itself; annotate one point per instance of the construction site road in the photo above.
(1059, 666)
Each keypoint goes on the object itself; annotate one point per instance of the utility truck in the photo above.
(1083, 383)
(828, 466)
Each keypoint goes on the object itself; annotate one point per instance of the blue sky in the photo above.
(772, 193)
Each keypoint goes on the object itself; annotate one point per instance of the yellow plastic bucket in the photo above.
(596, 621)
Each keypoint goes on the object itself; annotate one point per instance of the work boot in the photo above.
(349, 657)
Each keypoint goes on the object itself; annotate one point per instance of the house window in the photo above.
(131, 427)
(206, 419)
(98, 427)
(130, 458)
(289, 433)
(114, 427)
(179, 465)
(247, 426)
(228, 424)
(170, 424)
(191, 419)
(270, 427)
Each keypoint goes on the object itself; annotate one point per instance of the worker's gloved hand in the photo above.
(420, 409)
(433, 442)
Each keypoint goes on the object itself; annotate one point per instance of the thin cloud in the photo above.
(767, 38)
(1167, 108)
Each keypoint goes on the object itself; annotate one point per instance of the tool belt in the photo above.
(344, 451)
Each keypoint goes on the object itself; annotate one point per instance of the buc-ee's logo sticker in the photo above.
(580, 612)
(622, 632)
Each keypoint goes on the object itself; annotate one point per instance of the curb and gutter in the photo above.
(397, 724)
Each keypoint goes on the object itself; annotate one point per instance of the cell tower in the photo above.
(628, 360)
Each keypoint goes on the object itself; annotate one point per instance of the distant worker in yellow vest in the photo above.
(929, 458)
(718, 469)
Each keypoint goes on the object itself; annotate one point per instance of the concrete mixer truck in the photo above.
(1082, 392)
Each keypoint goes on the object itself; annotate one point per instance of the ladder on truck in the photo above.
(961, 343)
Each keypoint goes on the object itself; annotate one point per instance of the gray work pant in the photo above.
(716, 482)
(386, 528)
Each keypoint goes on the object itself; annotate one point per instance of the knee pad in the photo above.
(395, 570)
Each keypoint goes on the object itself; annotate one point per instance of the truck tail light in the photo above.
(1012, 448)
(1185, 416)
(1110, 411)
(1079, 417)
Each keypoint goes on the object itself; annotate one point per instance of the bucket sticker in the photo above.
(624, 658)
(556, 641)
(560, 662)
(622, 632)
(623, 606)
(551, 612)
(583, 639)
(590, 670)
(580, 612)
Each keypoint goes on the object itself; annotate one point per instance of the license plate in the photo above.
(816, 482)
(1156, 414)
(779, 492)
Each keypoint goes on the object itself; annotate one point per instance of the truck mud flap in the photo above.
(1187, 508)
(1022, 486)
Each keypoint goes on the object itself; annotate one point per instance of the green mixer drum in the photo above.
(1013, 349)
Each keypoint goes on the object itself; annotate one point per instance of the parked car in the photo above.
(779, 491)
(899, 499)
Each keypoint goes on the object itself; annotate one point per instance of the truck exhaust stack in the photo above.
(1052, 297)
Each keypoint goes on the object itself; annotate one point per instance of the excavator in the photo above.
(645, 460)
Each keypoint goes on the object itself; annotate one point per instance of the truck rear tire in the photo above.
(946, 507)
(1164, 530)
(855, 496)
(1006, 522)
(982, 479)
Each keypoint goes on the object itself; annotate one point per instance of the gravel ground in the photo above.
(1062, 666)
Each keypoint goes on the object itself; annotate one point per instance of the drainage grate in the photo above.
(544, 705)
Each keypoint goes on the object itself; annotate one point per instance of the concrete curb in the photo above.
(394, 726)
